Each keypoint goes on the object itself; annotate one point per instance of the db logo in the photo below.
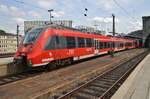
(71, 52)
(50, 54)
(88, 49)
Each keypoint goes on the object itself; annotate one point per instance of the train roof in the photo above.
(55, 26)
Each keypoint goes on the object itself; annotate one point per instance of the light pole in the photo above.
(113, 24)
(50, 13)
(17, 35)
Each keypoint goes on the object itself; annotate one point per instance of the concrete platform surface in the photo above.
(6, 60)
(137, 85)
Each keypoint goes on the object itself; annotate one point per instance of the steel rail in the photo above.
(107, 83)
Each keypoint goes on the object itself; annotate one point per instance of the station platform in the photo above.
(6, 60)
(137, 85)
(7, 69)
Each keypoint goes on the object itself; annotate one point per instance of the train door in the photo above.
(60, 45)
(96, 46)
(55, 47)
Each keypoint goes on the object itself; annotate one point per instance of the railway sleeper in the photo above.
(97, 90)
(13, 78)
(123, 70)
(115, 75)
(21, 76)
(104, 83)
(6, 80)
(119, 71)
(83, 95)
(1, 82)
(106, 80)
(90, 92)
(100, 85)
(110, 79)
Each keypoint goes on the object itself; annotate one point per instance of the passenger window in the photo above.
(81, 42)
(62, 41)
(57, 39)
(105, 45)
(88, 42)
(71, 42)
(101, 45)
(55, 42)
(50, 44)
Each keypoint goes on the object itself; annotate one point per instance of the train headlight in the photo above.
(29, 63)
(30, 49)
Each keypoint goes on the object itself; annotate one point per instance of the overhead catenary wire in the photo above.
(43, 9)
(132, 18)
(124, 10)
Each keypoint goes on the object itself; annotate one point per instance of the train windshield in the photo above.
(32, 35)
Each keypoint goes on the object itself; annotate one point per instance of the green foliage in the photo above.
(2, 31)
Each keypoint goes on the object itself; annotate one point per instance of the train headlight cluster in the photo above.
(29, 63)
(30, 48)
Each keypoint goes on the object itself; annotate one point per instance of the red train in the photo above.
(60, 45)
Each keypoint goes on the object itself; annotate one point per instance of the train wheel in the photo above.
(50, 66)
(111, 53)
(69, 61)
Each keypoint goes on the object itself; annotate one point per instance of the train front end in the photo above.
(29, 49)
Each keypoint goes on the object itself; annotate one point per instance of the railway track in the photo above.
(106, 84)
(19, 76)
(31, 72)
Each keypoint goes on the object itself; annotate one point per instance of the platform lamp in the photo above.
(85, 14)
(50, 13)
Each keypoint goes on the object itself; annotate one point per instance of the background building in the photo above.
(85, 28)
(90, 29)
(29, 24)
(8, 43)
(146, 31)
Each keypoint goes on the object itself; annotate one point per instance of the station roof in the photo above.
(136, 34)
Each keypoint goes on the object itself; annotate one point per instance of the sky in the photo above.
(128, 13)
